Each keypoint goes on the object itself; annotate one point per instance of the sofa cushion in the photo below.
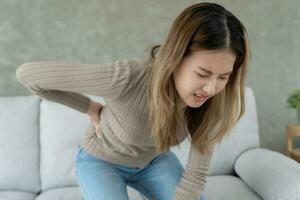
(61, 129)
(271, 174)
(19, 142)
(225, 187)
(242, 137)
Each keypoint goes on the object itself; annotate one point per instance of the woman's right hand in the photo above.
(93, 112)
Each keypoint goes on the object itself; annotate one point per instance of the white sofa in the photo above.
(39, 140)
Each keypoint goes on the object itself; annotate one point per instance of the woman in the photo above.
(191, 86)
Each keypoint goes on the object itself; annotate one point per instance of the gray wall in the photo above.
(102, 31)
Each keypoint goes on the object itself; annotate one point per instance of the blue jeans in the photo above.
(101, 180)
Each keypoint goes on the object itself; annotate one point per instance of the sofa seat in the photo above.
(17, 195)
(73, 193)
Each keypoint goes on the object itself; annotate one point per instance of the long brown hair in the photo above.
(206, 26)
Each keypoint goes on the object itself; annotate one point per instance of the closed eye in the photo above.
(202, 75)
(205, 76)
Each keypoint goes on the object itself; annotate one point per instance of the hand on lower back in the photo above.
(93, 112)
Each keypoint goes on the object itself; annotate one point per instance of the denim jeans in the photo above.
(101, 180)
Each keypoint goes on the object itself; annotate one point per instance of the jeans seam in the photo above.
(148, 165)
(147, 191)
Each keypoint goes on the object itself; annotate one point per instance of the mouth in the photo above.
(199, 98)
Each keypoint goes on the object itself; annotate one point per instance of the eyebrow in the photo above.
(211, 72)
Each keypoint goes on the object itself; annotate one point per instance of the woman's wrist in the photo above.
(94, 107)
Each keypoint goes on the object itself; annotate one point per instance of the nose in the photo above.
(210, 88)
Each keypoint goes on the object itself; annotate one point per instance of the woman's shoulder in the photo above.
(140, 62)
(138, 69)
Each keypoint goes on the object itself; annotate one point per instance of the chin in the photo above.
(194, 104)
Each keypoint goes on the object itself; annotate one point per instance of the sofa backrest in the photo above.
(244, 136)
(19, 143)
(39, 140)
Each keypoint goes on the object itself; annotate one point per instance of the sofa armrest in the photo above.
(270, 174)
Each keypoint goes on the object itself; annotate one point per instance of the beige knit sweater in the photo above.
(125, 136)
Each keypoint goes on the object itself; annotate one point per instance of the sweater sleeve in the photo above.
(66, 83)
(194, 177)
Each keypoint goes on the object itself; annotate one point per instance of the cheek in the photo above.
(181, 84)
(184, 84)
(221, 87)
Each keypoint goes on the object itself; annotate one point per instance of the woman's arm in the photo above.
(66, 83)
(193, 180)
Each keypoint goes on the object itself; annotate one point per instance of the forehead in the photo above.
(214, 61)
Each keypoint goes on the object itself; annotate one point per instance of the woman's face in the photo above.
(203, 73)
